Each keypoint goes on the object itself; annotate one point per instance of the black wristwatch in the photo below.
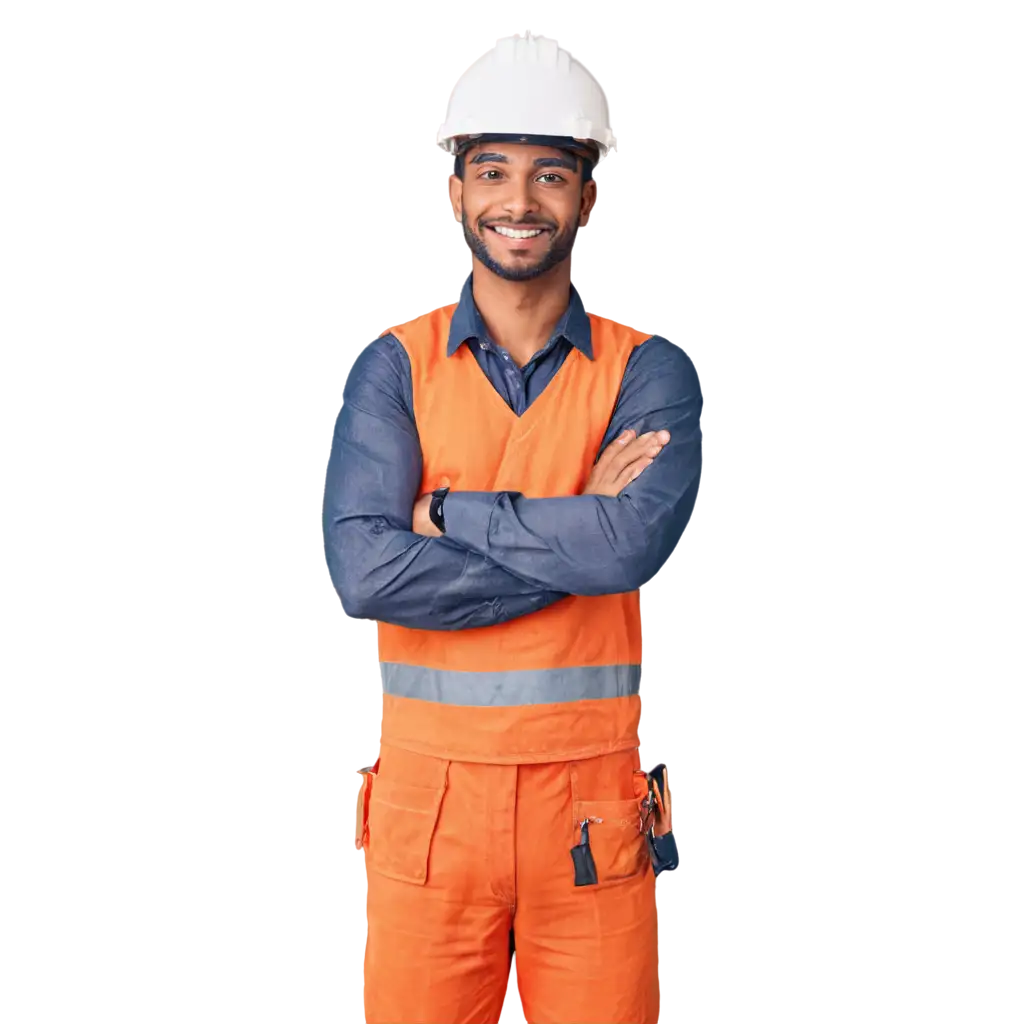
(437, 507)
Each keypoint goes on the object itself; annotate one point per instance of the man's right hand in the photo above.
(624, 460)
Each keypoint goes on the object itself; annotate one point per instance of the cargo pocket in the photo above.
(614, 821)
(402, 817)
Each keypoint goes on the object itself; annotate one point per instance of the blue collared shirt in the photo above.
(503, 555)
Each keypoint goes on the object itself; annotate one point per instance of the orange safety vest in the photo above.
(558, 684)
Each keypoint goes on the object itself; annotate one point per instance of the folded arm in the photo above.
(591, 544)
(379, 567)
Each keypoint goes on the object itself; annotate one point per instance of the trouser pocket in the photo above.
(607, 803)
(402, 814)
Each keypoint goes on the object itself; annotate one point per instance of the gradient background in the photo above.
(202, 214)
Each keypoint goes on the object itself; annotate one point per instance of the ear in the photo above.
(587, 201)
(455, 195)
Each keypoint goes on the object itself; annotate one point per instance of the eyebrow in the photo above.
(543, 161)
(557, 161)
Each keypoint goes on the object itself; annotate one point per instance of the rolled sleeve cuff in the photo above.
(467, 518)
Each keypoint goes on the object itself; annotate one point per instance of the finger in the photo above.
(659, 437)
(644, 445)
(620, 442)
(655, 439)
(625, 452)
(639, 468)
(613, 446)
(612, 450)
(627, 475)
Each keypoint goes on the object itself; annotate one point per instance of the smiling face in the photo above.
(520, 206)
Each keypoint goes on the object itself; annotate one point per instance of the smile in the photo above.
(516, 232)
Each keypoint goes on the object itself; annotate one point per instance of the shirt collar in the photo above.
(574, 324)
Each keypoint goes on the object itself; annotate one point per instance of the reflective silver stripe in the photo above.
(511, 688)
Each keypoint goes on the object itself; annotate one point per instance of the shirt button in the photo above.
(504, 355)
(484, 345)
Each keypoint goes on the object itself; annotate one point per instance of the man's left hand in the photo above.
(421, 521)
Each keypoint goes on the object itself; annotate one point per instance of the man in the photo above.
(506, 472)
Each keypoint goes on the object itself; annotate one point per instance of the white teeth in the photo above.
(513, 233)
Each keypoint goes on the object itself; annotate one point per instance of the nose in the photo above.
(519, 200)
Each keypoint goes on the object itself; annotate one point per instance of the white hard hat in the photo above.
(527, 86)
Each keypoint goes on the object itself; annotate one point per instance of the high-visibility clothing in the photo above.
(505, 555)
(498, 743)
(561, 683)
(465, 860)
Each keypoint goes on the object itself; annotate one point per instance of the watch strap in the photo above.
(437, 507)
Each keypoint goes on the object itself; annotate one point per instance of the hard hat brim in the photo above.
(586, 148)
(452, 145)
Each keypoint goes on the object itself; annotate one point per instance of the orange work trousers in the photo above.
(468, 864)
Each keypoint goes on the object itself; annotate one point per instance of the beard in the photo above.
(560, 248)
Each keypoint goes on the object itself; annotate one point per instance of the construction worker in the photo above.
(506, 472)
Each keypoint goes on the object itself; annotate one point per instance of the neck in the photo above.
(520, 315)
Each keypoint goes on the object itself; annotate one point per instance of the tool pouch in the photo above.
(662, 840)
(583, 859)
(362, 802)
(583, 862)
(664, 853)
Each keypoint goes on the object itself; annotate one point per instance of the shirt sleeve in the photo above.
(380, 568)
(591, 544)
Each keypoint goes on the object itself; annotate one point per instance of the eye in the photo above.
(490, 171)
(551, 174)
